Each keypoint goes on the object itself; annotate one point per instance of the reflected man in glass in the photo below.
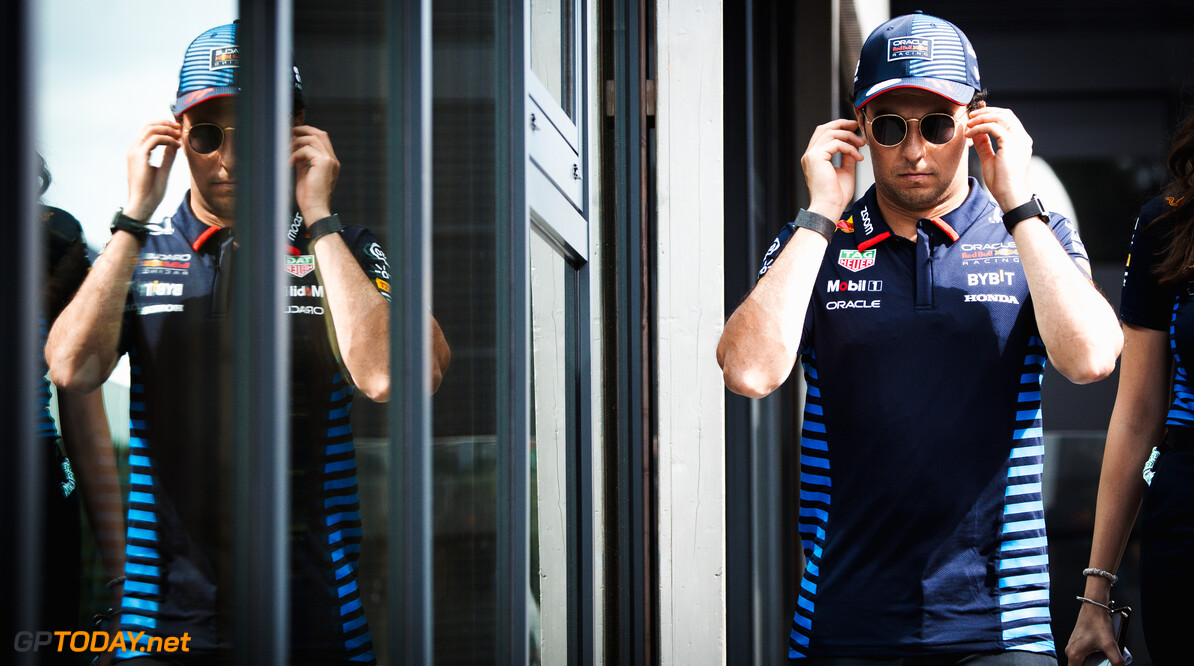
(160, 292)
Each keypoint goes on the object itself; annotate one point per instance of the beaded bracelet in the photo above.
(1099, 572)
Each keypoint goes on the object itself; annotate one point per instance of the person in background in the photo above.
(1149, 455)
(78, 447)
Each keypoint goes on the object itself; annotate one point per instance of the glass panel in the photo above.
(342, 507)
(172, 363)
(174, 379)
(549, 486)
(553, 45)
(464, 426)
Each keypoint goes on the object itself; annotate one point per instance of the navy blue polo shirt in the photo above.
(1170, 308)
(921, 452)
(179, 338)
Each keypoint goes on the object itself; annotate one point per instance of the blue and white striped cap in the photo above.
(211, 68)
(917, 51)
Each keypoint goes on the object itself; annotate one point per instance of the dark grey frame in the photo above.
(631, 596)
(408, 152)
(261, 357)
(21, 265)
(513, 336)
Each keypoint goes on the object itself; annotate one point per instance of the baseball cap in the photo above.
(917, 51)
(211, 69)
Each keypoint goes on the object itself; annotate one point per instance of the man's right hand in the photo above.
(831, 188)
(147, 183)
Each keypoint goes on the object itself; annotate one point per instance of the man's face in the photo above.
(916, 175)
(213, 174)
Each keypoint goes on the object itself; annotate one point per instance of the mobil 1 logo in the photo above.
(838, 286)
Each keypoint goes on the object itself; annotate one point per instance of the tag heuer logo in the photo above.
(302, 265)
(853, 260)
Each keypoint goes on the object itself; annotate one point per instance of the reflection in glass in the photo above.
(341, 53)
(464, 425)
(549, 459)
(552, 48)
(84, 135)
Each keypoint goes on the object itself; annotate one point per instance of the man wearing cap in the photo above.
(923, 326)
(160, 292)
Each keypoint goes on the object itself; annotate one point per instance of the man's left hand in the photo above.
(316, 171)
(1006, 170)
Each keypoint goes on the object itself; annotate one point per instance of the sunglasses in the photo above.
(206, 138)
(889, 130)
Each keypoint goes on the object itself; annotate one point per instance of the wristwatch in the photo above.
(122, 222)
(320, 228)
(1034, 208)
(818, 223)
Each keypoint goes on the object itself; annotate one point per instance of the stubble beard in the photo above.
(224, 207)
(912, 198)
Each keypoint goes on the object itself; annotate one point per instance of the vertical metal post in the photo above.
(20, 271)
(261, 331)
(512, 257)
(630, 605)
(408, 156)
(739, 109)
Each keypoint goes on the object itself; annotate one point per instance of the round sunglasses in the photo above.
(206, 138)
(889, 130)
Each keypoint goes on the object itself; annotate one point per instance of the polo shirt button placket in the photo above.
(924, 266)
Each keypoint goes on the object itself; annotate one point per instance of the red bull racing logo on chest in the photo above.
(853, 260)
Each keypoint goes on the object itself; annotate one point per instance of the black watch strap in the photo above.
(122, 222)
(320, 228)
(1034, 208)
(818, 223)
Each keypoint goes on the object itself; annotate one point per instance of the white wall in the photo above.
(691, 426)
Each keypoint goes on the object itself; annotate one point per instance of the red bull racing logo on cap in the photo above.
(225, 57)
(903, 48)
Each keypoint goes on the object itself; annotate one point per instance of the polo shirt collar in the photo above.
(870, 228)
(196, 233)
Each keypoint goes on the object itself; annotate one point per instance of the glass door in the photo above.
(559, 484)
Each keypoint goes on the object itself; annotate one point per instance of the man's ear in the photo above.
(860, 116)
(299, 118)
(980, 105)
